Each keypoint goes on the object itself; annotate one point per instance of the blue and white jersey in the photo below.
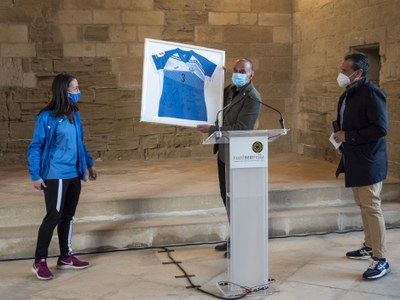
(182, 95)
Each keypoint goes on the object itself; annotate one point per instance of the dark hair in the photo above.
(59, 103)
(360, 61)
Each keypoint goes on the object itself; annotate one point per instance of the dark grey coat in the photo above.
(365, 123)
(242, 114)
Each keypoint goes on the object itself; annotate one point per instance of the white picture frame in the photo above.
(180, 92)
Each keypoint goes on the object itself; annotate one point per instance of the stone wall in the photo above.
(324, 30)
(101, 43)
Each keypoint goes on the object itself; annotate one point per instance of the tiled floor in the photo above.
(309, 268)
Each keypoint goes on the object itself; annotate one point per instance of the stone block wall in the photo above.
(101, 43)
(323, 31)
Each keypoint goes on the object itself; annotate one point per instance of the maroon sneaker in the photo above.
(41, 270)
(71, 262)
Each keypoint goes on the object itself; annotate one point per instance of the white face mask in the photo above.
(344, 80)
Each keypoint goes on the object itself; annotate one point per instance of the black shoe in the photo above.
(221, 247)
(362, 253)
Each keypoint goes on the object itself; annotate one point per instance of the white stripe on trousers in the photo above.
(70, 237)
(59, 195)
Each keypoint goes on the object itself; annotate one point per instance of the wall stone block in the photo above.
(272, 6)
(73, 65)
(248, 18)
(44, 81)
(215, 18)
(124, 110)
(154, 32)
(123, 34)
(4, 113)
(29, 80)
(4, 32)
(127, 65)
(15, 15)
(75, 16)
(228, 5)
(41, 28)
(17, 150)
(143, 18)
(128, 143)
(79, 4)
(107, 96)
(268, 19)
(143, 129)
(191, 5)
(17, 33)
(11, 72)
(102, 65)
(96, 33)
(247, 34)
(68, 33)
(99, 80)
(49, 50)
(393, 136)
(107, 16)
(6, 4)
(136, 50)
(186, 18)
(79, 49)
(30, 110)
(96, 144)
(167, 153)
(18, 50)
(282, 34)
(178, 34)
(271, 49)
(150, 141)
(21, 130)
(235, 50)
(209, 34)
(130, 4)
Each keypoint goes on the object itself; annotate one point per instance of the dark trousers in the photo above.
(222, 182)
(61, 197)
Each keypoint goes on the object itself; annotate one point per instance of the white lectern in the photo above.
(247, 202)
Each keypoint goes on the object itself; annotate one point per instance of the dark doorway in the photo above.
(372, 50)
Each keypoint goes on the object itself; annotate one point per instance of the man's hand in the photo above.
(204, 128)
(340, 136)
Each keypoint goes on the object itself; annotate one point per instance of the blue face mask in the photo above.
(74, 97)
(239, 79)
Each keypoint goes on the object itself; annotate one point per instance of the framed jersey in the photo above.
(182, 84)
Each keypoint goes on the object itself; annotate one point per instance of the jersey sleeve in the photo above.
(207, 65)
(160, 59)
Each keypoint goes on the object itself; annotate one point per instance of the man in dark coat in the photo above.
(242, 107)
(363, 123)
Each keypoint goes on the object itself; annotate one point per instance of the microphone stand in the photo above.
(218, 133)
(281, 120)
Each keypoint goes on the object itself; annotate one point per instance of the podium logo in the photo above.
(257, 147)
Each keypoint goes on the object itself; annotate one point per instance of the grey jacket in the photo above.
(241, 114)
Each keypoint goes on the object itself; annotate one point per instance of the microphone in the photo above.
(281, 120)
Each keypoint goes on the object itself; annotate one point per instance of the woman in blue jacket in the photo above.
(58, 160)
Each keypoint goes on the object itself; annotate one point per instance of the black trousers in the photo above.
(61, 197)
(222, 180)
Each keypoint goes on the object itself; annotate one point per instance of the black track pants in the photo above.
(61, 197)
